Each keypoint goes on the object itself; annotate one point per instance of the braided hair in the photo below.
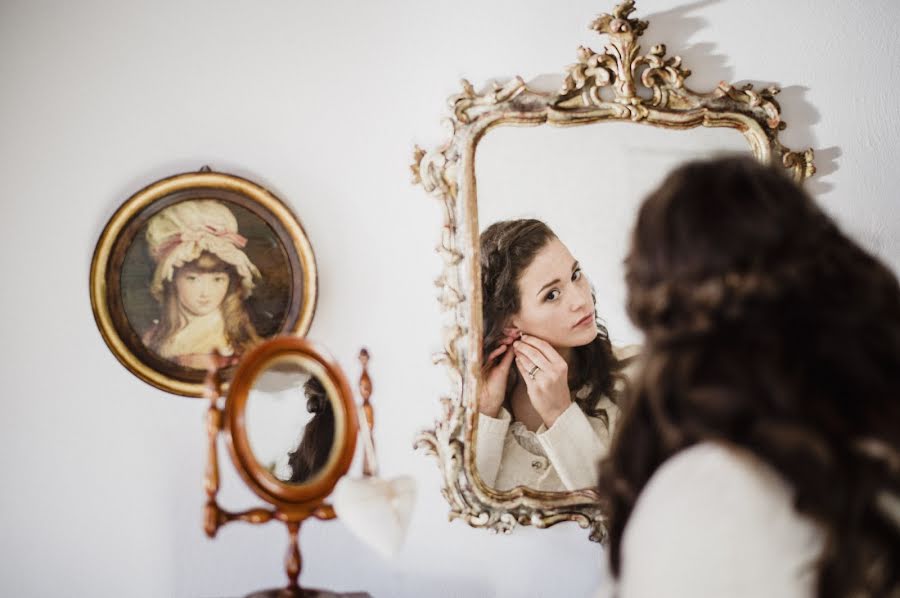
(766, 328)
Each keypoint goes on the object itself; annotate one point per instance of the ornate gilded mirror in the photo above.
(619, 120)
(290, 424)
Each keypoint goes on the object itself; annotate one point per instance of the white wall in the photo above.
(321, 102)
(587, 184)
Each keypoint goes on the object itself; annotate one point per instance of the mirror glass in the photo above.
(290, 421)
(586, 183)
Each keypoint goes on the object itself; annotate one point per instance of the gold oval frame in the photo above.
(447, 173)
(291, 499)
(263, 203)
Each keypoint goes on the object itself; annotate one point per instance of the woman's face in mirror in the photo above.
(556, 300)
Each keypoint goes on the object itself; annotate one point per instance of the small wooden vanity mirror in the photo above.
(290, 425)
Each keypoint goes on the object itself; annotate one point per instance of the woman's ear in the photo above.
(512, 325)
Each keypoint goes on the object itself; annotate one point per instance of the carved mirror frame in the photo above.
(618, 84)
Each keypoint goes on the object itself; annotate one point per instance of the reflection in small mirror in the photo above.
(290, 422)
(555, 211)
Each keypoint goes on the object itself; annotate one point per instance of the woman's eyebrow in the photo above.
(552, 282)
(556, 280)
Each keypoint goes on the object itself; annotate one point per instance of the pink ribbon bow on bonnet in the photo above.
(181, 233)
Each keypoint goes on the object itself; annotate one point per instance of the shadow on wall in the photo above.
(801, 116)
(675, 28)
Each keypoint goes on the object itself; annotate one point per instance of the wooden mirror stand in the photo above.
(292, 504)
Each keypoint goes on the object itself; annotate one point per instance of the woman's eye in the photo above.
(552, 295)
(220, 279)
(576, 274)
(191, 277)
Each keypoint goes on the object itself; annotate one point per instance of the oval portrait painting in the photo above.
(199, 268)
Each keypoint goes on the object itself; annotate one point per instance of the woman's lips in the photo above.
(583, 321)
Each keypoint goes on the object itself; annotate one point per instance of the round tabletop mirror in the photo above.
(290, 422)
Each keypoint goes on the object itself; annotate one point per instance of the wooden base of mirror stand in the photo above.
(214, 516)
(292, 566)
(306, 593)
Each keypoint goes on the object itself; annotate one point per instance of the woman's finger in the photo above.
(528, 363)
(501, 368)
(504, 364)
(546, 349)
(527, 367)
(523, 370)
(496, 353)
(534, 356)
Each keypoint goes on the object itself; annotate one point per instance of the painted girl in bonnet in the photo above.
(201, 280)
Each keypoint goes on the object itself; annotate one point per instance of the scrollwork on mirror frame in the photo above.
(603, 86)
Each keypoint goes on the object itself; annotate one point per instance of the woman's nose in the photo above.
(579, 301)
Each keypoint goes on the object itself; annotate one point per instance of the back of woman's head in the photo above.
(318, 436)
(767, 328)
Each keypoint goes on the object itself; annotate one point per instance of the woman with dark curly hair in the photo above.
(760, 454)
(548, 421)
(315, 446)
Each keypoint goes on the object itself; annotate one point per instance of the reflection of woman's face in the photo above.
(556, 302)
(200, 293)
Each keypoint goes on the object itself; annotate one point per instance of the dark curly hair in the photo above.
(318, 436)
(507, 248)
(766, 328)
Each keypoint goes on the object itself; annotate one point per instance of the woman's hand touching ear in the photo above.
(546, 376)
(495, 374)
